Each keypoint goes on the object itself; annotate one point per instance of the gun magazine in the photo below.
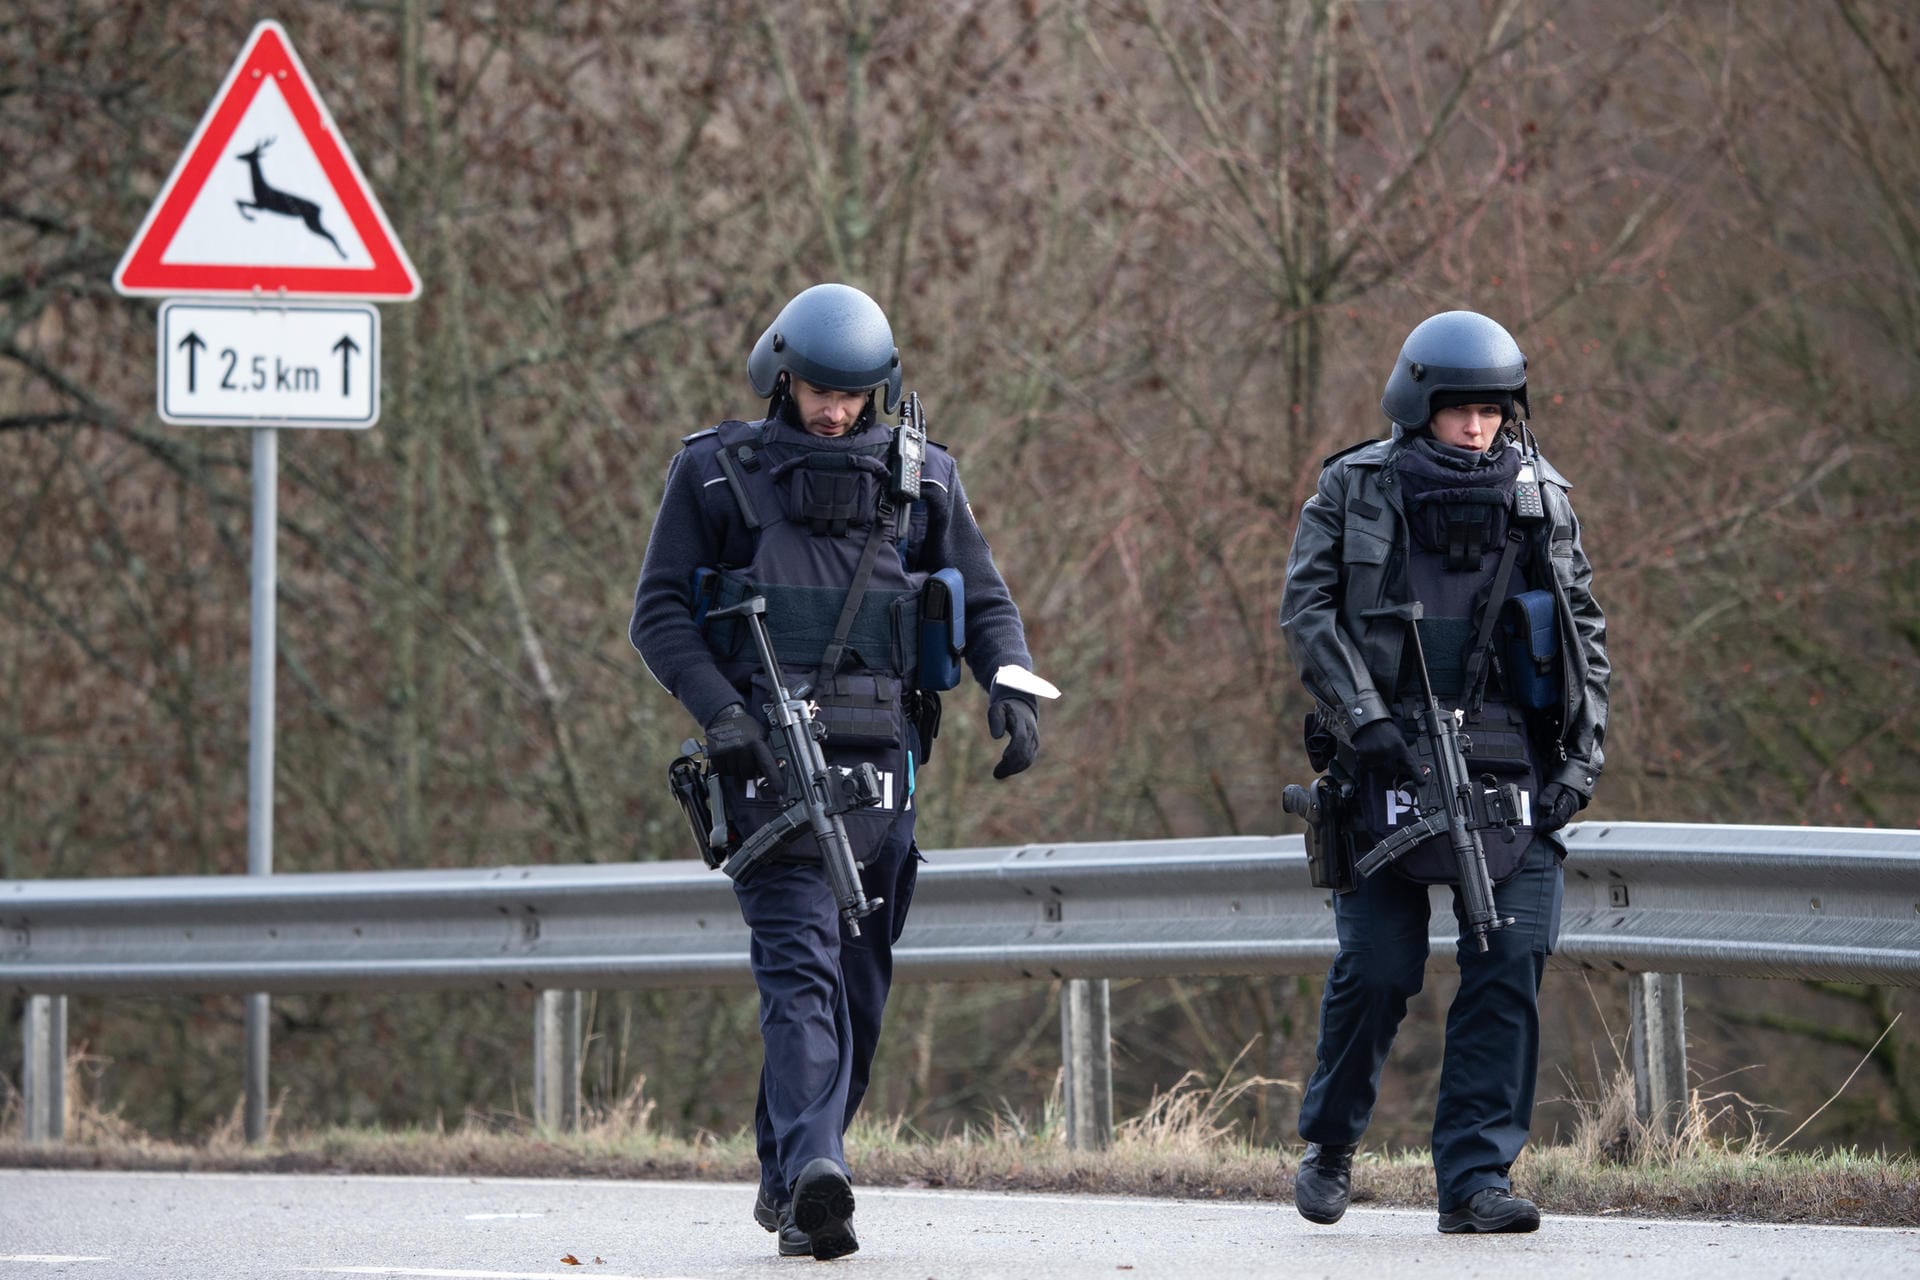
(1398, 843)
(764, 843)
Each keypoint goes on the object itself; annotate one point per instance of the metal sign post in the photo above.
(264, 647)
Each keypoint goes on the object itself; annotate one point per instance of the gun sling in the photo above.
(1472, 691)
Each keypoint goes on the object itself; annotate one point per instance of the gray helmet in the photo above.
(833, 336)
(1453, 351)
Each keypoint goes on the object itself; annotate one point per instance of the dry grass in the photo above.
(1183, 1144)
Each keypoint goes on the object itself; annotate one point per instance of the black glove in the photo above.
(1016, 715)
(737, 745)
(1558, 803)
(1383, 749)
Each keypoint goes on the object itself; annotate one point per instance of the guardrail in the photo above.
(1655, 900)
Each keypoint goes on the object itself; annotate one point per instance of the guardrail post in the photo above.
(257, 1041)
(43, 1073)
(556, 1061)
(1659, 1049)
(1086, 1055)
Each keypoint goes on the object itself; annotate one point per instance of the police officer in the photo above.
(1458, 511)
(801, 507)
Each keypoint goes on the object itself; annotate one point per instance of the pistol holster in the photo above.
(1326, 805)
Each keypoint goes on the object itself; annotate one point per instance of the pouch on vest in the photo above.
(1530, 650)
(1497, 741)
(943, 629)
(860, 710)
(831, 493)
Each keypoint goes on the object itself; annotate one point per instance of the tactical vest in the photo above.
(1451, 572)
(809, 510)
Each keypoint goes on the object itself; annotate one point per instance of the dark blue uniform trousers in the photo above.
(1493, 1028)
(822, 994)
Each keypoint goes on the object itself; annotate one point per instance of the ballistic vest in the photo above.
(809, 505)
(1453, 555)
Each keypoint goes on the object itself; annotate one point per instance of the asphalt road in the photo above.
(143, 1226)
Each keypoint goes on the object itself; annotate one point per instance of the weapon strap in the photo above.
(830, 661)
(1477, 659)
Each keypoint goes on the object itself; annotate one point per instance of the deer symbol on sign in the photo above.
(268, 200)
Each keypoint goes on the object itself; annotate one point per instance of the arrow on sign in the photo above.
(194, 345)
(346, 347)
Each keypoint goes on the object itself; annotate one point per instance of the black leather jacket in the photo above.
(1350, 554)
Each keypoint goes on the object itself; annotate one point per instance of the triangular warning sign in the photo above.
(267, 198)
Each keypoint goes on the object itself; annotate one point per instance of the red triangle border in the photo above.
(268, 52)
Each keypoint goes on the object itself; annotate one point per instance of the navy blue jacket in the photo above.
(699, 525)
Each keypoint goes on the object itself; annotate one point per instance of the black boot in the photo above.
(793, 1242)
(823, 1209)
(767, 1210)
(777, 1215)
(1324, 1182)
(1492, 1209)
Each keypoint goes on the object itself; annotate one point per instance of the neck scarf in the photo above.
(1457, 500)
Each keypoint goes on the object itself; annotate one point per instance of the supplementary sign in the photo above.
(296, 365)
(267, 198)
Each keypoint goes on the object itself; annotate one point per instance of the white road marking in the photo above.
(489, 1217)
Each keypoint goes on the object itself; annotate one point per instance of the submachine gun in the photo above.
(816, 793)
(1448, 799)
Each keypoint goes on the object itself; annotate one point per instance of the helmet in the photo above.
(1453, 351)
(833, 336)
